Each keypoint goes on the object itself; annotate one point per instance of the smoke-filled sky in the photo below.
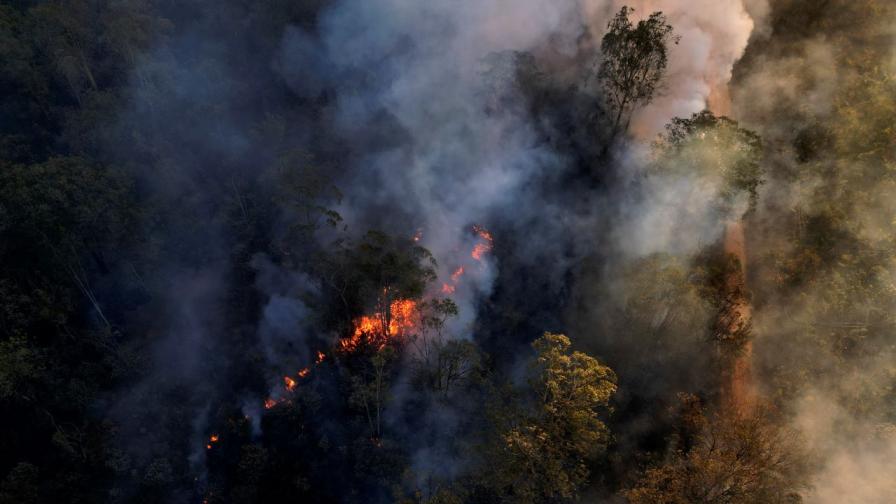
(434, 137)
(417, 72)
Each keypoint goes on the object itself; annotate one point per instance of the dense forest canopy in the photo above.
(433, 252)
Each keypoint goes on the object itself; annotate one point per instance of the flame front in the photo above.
(483, 247)
(401, 318)
(379, 328)
(455, 277)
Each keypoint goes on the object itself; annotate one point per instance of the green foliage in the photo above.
(442, 363)
(396, 265)
(370, 390)
(634, 62)
(664, 294)
(368, 275)
(305, 191)
(88, 90)
(56, 211)
(58, 219)
(716, 148)
(824, 263)
(542, 452)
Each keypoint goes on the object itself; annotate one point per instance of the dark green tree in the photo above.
(634, 63)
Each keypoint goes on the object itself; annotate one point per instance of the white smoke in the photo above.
(714, 34)
(424, 67)
(457, 162)
(856, 457)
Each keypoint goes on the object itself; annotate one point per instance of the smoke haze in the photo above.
(265, 144)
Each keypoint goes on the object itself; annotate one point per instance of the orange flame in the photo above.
(455, 277)
(303, 372)
(402, 318)
(483, 247)
(269, 403)
(290, 383)
(214, 438)
(320, 357)
(483, 233)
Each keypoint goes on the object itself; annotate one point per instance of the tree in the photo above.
(543, 450)
(370, 390)
(442, 363)
(58, 219)
(725, 459)
(368, 276)
(65, 31)
(713, 147)
(634, 62)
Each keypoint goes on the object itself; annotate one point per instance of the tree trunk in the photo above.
(741, 393)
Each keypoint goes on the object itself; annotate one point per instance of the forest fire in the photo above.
(381, 327)
(483, 247)
(299, 254)
(377, 329)
(449, 288)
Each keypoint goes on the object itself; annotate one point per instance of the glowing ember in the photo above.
(483, 233)
(320, 357)
(214, 438)
(290, 383)
(269, 403)
(303, 372)
(483, 247)
(378, 328)
(455, 277)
